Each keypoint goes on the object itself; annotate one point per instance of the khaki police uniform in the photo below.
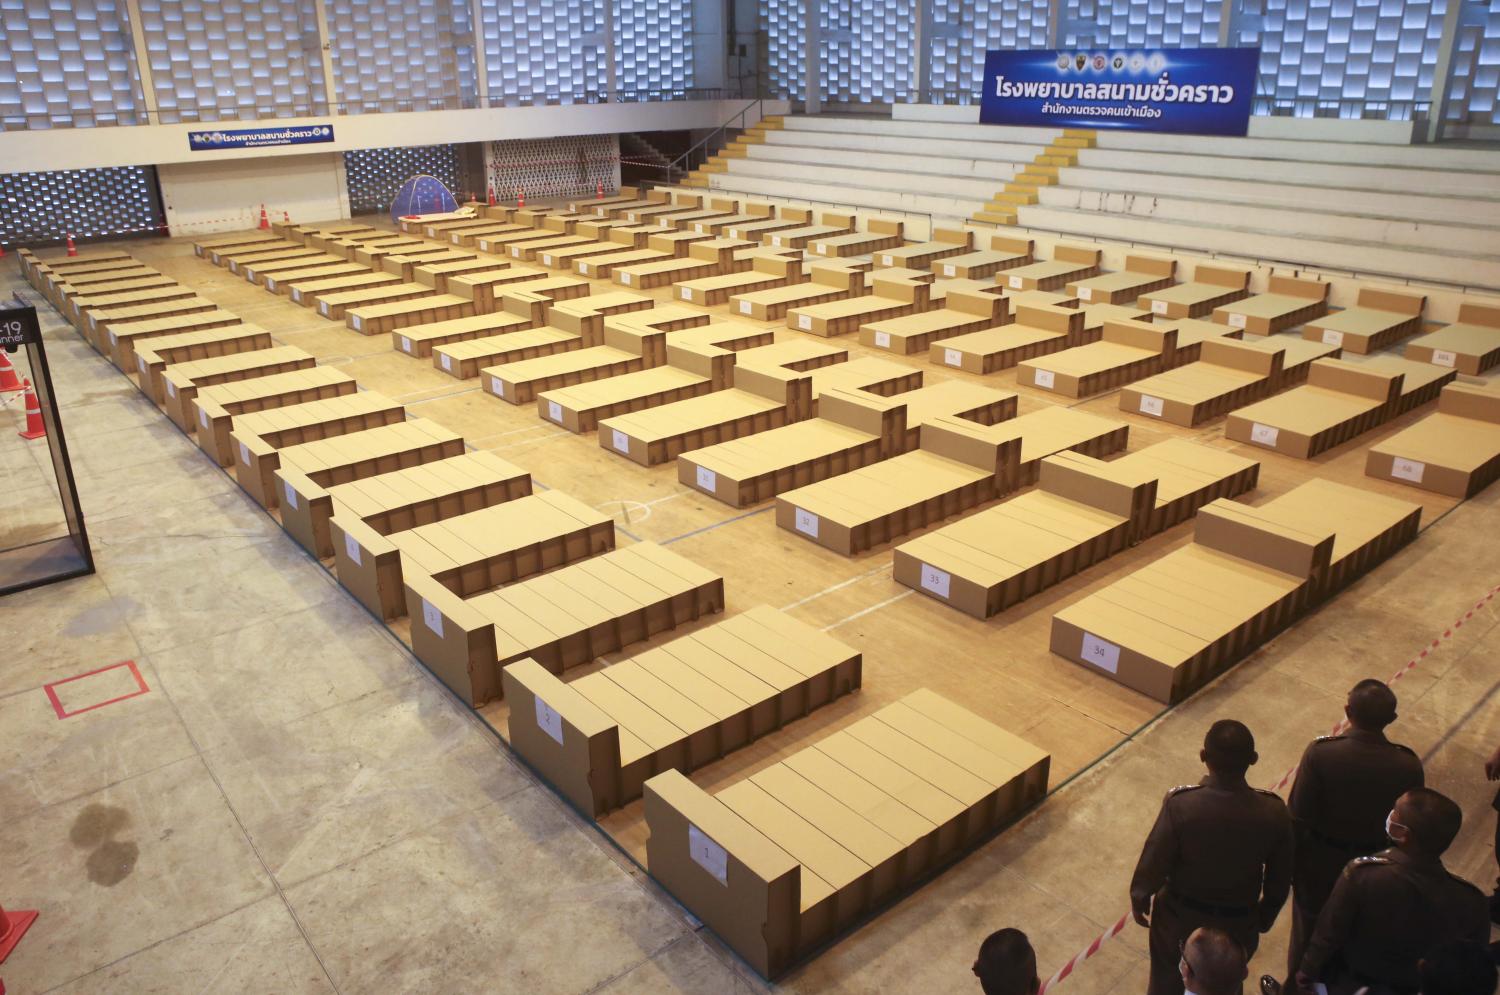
(1220, 854)
(1345, 787)
(1385, 914)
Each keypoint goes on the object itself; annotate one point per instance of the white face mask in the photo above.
(1390, 821)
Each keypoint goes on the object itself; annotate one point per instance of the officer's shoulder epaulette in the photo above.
(1268, 793)
(1181, 788)
(1328, 739)
(1374, 860)
(1403, 746)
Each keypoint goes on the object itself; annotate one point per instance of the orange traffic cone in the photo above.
(599, 191)
(9, 382)
(2, 250)
(13, 925)
(492, 196)
(286, 217)
(34, 427)
(265, 222)
(521, 199)
(72, 249)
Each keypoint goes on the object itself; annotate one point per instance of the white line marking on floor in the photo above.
(836, 587)
(866, 611)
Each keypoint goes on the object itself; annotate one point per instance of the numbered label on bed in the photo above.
(1100, 653)
(708, 855)
(935, 580)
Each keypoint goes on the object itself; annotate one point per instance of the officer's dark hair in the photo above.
(1007, 964)
(1216, 959)
(1371, 705)
(1459, 967)
(1229, 747)
(1433, 818)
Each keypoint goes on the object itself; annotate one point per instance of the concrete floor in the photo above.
(295, 804)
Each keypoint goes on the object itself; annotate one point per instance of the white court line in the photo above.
(836, 587)
(527, 442)
(862, 613)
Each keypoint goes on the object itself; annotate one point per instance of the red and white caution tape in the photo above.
(1343, 724)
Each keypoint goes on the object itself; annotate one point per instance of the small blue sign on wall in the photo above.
(1198, 91)
(247, 138)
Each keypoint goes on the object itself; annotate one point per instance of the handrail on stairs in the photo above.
(683, 164)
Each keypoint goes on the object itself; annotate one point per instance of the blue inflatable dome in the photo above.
(422, 195)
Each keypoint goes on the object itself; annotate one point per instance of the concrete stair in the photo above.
(1025, 189)
(739, 148)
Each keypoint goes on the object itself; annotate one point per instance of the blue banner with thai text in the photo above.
(1198, 91)
(247, 138)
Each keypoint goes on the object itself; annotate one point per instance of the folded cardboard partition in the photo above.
(1141, 275)
(960, 464)
(1471, 345)
(853, 429)
(765, 272)
(1004, 252)
(499, 243)
(560, 619)
(281, 282)
(1069, 263)
(1339, 401)
(1128, 351)
(829, 224)
(441, 229)
(369, 252)
(419, 340)
(779, 862)
(679, 204)
(761, 229)
(311, 474)
(1210, 287)
(601, 228)
(339, 244)
(601, 266)
(142, 279)
(256, 438)
(154, 355)
(749, 211)
(415, 223)
(564, 257)
(764, 396)
(293, 252)
(1228, 374)
(227, 254)
(571, 325)
(406, 265)
(677, 243)
(1380, 319)
(707, 257)
(530, 250)
(678, 707)
(307, 292)
(84, 307)
(384, 318)
(879, 233)
(468, 238)
(1420, 382)
(963, 312)
(319, 235)
(115, 329)
(1036, 331)
(697, 363)
(180, 382)
(1191, 333)
(945, 242)
(714, 209)
(259, 273)
(1290, 301)
(335, 306)
(213, 409)
(367, 513)
(1455, 451)
(1095, 316)
(829, 281)
(892, 296)
(205, 247)
(488, 287)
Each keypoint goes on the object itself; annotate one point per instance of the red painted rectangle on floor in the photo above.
(85, 692)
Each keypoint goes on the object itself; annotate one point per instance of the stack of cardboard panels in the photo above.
(306, 292)
(1211, 287)
(382, 319)
(679, 706)
(205, 248)
(1038, 330)
(1471, 345)
(66, 295)
(118, 328)
(469, 237)
(406, 266)
(894, 293)
(960, 464)
(677, 203)
(709, 257)
(343, 245)
(764, 272)
(1142, 275)
(1004, 252)
(220, 254)
(1069, 264)
(153, 357)
(487, 289)
(1128, 351)
(761, 229)
(830, 223)
(437, 274)
(257, 438)
(310, 473)
(214, 408)
(1339, 401)
(280, 283)
(238, 261)
(570, 325)
(696, 365)
(778, 863)
(370, 252)
(1228, 374)
(1455, 451)
(750, 211)
(945, 243)
(89, 309)
(1289, 302)
(853, 429)
(560, 619)
(1082, 511)
(829, 281)
(500, 243)
(633, 341)
(632, 250)
(335, 306)
(963, 312)
(419, 340)
(456, 233)
(531, 250)
(367, 515)
(715, 209)
(762, 398)
(1420, 382)
(1179, 621)
(259, 273)
(1380, 319)
(415, 223)
(879, 233)
(319, 235)
(602, 243)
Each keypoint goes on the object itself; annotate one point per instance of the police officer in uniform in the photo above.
(1389, 911)
(1345, 786)
(1219, 855)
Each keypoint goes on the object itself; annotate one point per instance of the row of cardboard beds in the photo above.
(563, 710)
